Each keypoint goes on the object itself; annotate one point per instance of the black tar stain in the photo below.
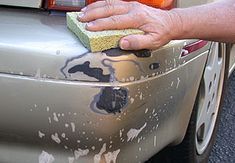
(112, 99)
(154, 66)
(118, 52)
(92, 72)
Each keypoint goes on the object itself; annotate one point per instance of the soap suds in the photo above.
(56, 138)
(132, 100)
(40, 134)
(111, 157)
(178, 83)
(55, 117)
(80, 152)
(38, 73)
(155, 141)
(45, 157)
(72, 126)
(133, 133)
(146, 110)
(97, 157)
(71, 159)
(63, 135)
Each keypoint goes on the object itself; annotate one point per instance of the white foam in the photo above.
(55, 117)
(111, 157)
(56, 138)
(178, 83)
(40, 134)
(133, 133)
(146, 110)
(71, 159)
(155, 141)
(80, 152)
(72, 126)
(97, 157)
(45, 157)
(38, 73)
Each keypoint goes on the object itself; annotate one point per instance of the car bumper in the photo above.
(58, 97)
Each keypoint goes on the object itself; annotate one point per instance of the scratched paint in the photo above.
(97, 157)
(111, 157)
(45, 157)
(133, 133)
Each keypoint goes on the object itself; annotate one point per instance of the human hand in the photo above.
(160, 26)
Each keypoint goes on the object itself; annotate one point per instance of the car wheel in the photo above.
(201, 131)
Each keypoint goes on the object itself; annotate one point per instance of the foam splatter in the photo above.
(45, 157)
(97, 157)
(133, 133)
(111, 157)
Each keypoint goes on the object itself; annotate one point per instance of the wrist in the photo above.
(179, 28)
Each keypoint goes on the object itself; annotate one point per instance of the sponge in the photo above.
(100, 40)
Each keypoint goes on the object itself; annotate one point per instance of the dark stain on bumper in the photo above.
(118, 52)
(110, 100)
(92, 72)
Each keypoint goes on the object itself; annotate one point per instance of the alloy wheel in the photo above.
(209, 97)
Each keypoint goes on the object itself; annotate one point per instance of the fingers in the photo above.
(137, 42)
(100, 4)
(94, 5)
(103, 12)
(114, 22)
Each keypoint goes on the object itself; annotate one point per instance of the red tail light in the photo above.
(72, 5)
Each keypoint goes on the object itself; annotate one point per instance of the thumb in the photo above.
(137, 42)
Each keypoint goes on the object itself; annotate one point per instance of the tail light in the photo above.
(71, 5)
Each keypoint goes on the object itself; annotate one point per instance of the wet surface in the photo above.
(223, 150)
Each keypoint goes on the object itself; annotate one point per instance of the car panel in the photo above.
(168, 97)
(39, 99)
(22, 3)
(48, 49)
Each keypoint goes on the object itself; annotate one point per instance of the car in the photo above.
(62, 103)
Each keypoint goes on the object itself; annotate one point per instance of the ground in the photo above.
(224, 148)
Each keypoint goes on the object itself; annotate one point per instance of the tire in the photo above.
(200, 137)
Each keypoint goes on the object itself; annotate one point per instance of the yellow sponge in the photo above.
(97, 41)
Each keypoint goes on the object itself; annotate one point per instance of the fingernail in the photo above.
(90, 24)
(124, 44)
(83, 9)
(80, 15)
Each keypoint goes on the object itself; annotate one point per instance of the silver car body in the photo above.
(61, 102)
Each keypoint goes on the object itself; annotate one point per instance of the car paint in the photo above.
(54, 94)
(22, 3)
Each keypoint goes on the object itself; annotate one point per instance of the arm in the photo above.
(215, 21)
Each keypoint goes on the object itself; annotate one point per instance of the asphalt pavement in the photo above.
(224, 148)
